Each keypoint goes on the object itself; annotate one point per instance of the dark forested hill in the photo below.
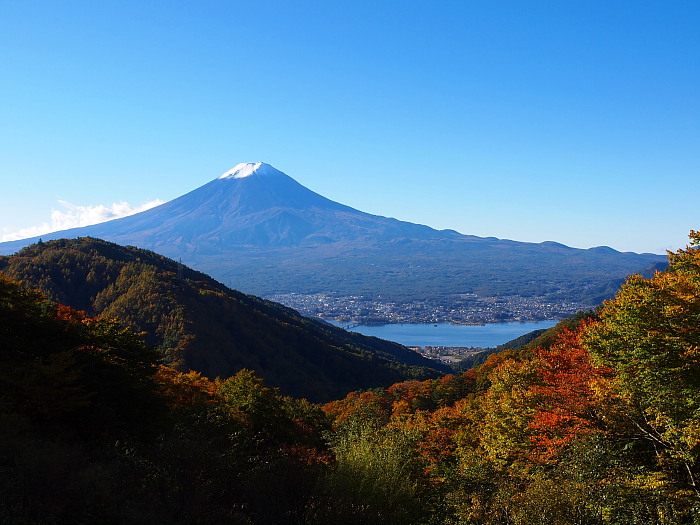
(199, 324)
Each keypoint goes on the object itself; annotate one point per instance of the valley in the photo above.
(561, 423)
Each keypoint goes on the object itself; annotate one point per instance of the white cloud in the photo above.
(74, 216)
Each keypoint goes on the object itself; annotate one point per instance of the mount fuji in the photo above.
(258, 230)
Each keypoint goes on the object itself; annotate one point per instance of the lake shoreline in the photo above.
(486, 335)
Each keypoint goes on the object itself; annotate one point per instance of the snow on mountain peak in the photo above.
(245, 169)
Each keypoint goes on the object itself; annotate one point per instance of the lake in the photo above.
(444, 334)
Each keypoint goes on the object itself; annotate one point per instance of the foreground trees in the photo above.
(597, 423)
(93, 431)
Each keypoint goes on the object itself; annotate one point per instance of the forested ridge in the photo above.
(596, 421)
(199, 324)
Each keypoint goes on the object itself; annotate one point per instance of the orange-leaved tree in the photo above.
(567, 401)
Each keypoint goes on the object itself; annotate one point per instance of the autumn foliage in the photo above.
(566, 408)
(599, 423)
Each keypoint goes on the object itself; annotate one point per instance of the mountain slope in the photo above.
(260, 231)
(266, 208)
(199, 324)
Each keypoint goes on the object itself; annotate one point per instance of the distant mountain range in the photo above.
(199, 324)
(258, 230)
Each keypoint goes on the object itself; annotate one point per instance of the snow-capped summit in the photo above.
(246, 169)
(252, 204)
(260, 229)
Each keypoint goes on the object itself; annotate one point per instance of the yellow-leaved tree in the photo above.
(649, 335)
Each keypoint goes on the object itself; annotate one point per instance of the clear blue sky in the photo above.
(572, 121)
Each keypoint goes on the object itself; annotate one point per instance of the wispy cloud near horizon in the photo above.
(75, 216)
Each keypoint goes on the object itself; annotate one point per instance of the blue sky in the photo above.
(577, 122)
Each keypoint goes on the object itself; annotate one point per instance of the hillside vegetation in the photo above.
(198, 324)
(93, 431)
(596, 421)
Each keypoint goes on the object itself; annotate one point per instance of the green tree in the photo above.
(258, 408)
(375, 479)
(649, 335)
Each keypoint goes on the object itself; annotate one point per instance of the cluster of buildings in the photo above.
(447, 354)
(458, 309)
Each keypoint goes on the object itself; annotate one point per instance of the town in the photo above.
(456, 309)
